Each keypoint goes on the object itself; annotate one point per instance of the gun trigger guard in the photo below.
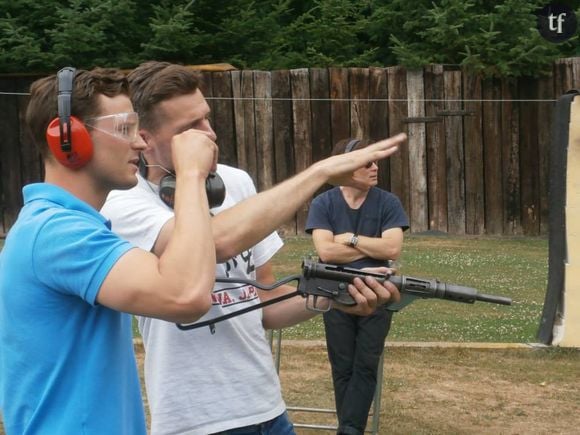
(314, 305)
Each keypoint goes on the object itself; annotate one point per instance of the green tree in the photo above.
(240, 32)
(19, 48)
(93, 32)
(331, 33)
(172, 36)
(496, 38)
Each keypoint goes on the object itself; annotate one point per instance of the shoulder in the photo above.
(142, 191)
(387, 197)
(328, 196)
(230, 173)
(238, 183)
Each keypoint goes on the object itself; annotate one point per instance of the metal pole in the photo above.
(376, 409)
(377, 400)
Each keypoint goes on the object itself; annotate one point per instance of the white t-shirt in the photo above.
(198, 382)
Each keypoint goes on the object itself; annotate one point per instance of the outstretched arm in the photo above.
(242, 226)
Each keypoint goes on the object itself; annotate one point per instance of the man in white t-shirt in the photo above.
(222, 379)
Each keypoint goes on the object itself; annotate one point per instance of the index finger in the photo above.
(384, 148)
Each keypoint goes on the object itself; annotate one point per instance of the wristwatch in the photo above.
(353, 241)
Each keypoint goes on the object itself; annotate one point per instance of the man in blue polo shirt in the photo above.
(67, 281)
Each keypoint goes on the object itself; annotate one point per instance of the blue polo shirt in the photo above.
(66, 363)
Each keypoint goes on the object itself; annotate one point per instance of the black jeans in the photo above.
(355, 345)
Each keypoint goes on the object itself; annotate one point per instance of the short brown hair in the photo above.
(87, 87)
(154, 82)
(341, 145)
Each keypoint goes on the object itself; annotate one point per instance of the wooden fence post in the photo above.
(455, 152)
(264, 130)
(417, 152)
(302, 131)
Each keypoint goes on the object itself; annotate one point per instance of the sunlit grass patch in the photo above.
(515, 267)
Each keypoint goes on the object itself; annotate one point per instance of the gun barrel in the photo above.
(431, 288)
(417, 287)
(494, 299)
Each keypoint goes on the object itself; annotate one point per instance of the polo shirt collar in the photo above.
(60, 196)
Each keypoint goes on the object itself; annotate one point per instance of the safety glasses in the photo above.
(124, 126)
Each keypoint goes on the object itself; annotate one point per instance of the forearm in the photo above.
(188, 260)
(286, 313)
(378, 248)
(337, 253)
(242, 226)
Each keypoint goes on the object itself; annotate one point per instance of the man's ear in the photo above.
(146, 136)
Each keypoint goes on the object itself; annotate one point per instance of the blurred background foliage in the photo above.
(496, 38)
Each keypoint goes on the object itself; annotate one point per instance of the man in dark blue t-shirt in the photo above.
(357, 227)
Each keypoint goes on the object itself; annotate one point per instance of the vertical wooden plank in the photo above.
(11, 180)
(243, 90)
(379, 118)
(32, 170)
(240, 127)
(575, 72)
(264, 129)
(545, 121)
(564, 76)
(455, 153)
(436, 153)
(223, 117)
(206, 87)
(510, 149)
(399, 162)
(359, 102)
(474, 176)
(250, 123)
(321, 121)
(339, 105)
(492, 157)
(283, 135)
(320, 107)
(302, 130)
(417, 151)
(283, 130)
(529, 157)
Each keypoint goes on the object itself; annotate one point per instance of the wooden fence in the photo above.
(476, 162)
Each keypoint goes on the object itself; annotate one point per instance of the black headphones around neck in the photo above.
(214, 186)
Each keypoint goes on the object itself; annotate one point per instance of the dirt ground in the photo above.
(434, 389)
(438, 390)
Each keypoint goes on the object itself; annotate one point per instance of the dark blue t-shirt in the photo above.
(380, 211)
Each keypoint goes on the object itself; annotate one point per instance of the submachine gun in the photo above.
(320, 283)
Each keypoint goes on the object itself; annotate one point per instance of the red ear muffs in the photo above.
(80, 150)
(67, 137)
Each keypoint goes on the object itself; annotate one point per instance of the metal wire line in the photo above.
(361, 100)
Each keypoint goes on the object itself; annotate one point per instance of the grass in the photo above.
(515, 267)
